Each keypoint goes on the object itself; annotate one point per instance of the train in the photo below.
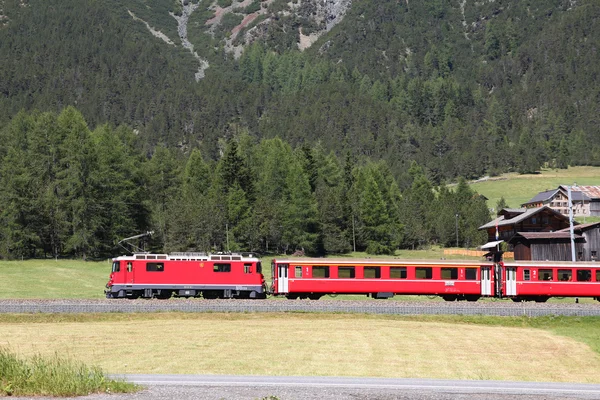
(240, 276)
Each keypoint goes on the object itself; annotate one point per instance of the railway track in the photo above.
(390, 307)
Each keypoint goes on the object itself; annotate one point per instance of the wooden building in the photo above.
(584, 199)
(545, 246)
(591, 246)
(510, 221)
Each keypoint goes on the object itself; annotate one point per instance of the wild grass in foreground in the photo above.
(53, 376)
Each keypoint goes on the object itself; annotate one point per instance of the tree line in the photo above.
(70, 191)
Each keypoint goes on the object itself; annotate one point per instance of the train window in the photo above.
(584, 275)
(247, 268)
(155, 267)
(565, 275)
(298, 271)
(598, 275)
(545, 275)
(258, 268)
(449, 273)
(372, 272)
(398, 272)
(129, 267)
(423, 272)
(525, 274)
(346, 272)
(116, 267)
(320, 272)
(218, 267)
(471, 274)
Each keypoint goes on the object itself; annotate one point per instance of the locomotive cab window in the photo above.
(545, 275)
(372, 272)
(258, 268)
(320, 272)
(471, 274)
(247, 268)
(218, 267)
(423, 272)
(116, 267)
(346, 272)
(584, 275)
(155, 267)
(565, 275)
(449, 273)
(298, 269)
(398, 272)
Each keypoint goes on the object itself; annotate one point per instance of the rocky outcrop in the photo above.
(182, 21)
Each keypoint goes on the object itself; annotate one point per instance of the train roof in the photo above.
(380, 261)
(192, 256)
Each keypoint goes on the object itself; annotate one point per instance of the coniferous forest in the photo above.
(105, 133)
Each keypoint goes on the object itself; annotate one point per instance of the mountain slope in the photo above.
(464, 87)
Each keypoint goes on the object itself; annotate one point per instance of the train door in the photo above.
(511, 281)
(282, 278)
(128, 272)
(486, 281)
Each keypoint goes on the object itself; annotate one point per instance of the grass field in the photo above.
(518, 189)
(453, 347)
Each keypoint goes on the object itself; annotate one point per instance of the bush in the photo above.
(53, 376)
(376, 248)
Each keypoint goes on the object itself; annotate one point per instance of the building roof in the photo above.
(584, 192)
(543, 196)
(581, 227)
(501, 221)
(545, 235)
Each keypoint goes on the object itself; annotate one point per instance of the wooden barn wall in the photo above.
(553, 251)
(595, 208)
(522, 252)
(592, 243)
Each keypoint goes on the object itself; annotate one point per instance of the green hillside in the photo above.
(518, 189)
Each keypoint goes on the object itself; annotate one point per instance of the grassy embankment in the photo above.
(52, 375)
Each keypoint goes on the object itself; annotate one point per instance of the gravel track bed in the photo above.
(497, 308)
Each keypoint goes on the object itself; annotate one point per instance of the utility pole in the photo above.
(456, 230)
(571, 224)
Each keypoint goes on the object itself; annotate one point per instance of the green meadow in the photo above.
(518, 189)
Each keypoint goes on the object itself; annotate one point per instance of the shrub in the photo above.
(54, 376)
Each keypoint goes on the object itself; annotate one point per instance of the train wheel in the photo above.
(210, 294)
(541, 299)
(516, 299)
(314, 296)
(292, 296)
(164, 294)
(472, 297)
(449, 297)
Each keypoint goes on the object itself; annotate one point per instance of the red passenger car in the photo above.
(538, 281)
(380, 278)
(186, 275)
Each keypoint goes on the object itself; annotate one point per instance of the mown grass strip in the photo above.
(53, 376)
(446, 347)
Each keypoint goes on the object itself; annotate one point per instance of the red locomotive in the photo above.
(452, 280)
(186, 275)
